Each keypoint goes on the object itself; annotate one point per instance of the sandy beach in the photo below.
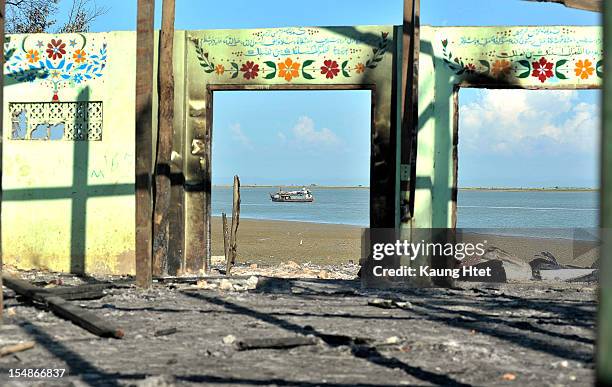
(271, 242)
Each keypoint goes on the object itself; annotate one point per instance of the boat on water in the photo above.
(302, 196)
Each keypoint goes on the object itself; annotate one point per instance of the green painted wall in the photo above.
(69, 205)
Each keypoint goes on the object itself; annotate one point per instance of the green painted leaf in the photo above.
(344, 72)
(270, 76)
(307, 63)
(561, 63)
(307, 76)
(485, 64)
(560, 75)
(525, 63)
(525, 74)
(599, 68)
(270, 64)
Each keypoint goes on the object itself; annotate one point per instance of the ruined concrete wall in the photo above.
(69, 196)
(68, 179)
(555, 57)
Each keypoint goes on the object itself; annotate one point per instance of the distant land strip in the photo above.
(507, 189)
(541, 189)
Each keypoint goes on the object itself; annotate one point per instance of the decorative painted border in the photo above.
(289, 68)
(541, 68)
(55, 62)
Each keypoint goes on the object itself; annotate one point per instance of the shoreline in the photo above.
(271, 242)
(489, 189)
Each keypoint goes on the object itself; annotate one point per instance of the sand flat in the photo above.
(272, 242)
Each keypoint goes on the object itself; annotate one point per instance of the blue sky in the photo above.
(292, 137)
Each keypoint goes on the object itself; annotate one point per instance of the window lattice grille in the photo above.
(81, 121)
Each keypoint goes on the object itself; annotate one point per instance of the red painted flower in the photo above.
(330, 69)
(250, 70)
(542, 69)
(55, 49)
(470, 68)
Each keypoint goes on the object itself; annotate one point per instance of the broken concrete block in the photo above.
(516, 269)
(226, 285)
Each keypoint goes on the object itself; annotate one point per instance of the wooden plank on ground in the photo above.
(11, 349)
(163, 186)
(144, 150)
(63, 308)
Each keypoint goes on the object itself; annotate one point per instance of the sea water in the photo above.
(480, 209)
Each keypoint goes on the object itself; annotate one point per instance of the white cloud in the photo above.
(239, 136)
(519, 121)
(304, 132)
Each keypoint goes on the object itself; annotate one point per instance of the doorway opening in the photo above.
(527, 168)
(318, 140)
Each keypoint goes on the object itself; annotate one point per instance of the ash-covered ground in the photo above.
(190, 332)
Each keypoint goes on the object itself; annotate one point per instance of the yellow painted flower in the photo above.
(79, 56)
(501, 68)
(32, 56)
(288, 69)
(360, 68)
(584, 69)
(219, 69)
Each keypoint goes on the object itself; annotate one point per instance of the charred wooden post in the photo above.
(2, 6)
(144, 142)
(410, 60)
(604, 339)
(235, 221)
(161, 224)
(226, 244)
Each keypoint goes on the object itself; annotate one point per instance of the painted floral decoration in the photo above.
(32, 56)
(56, 49)
(584, 69)
(542, 69)
(79, 56)
(250, 70)
(501, 68)
(470, 68)
(61, 67)
(291, 68)
(330, 69)
(288, 69)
